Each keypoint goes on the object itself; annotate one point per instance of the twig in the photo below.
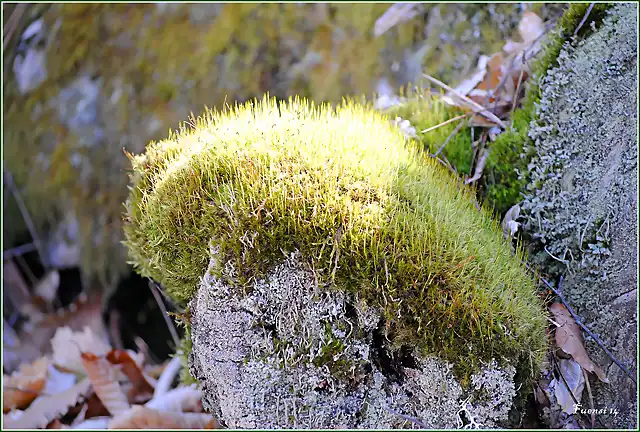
(27, 219)
(584, 19)
(515, 95)
(153, 286)
(479, 109)
(409, 418)
(20, 250)
(482, 160)
(558, 292)
(12, 23)
(593, 414)
(444, 123)
(453, 133)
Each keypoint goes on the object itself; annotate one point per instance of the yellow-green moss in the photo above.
(366, 208)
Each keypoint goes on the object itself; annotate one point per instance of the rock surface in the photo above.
(291, 354)
(581, 207)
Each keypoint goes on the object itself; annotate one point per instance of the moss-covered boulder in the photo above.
(327, 255)
(85, 80)
(580, 206)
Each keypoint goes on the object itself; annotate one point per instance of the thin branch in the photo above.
(593, 414)
(453, 133)
(27, 218)
(515, 95)
(12, 24)
(409, 418)
(444, 123)
(153, 286)
(584, 19)
(479, 109)
(558, 292)
(20, 250)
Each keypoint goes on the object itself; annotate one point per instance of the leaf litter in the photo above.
(86, 384)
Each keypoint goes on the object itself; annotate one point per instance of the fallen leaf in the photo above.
(105, 383)
(569, 340)
(47, 287)
(58, 381)
(509, 224)
(182, 399)
(45, 409)
(140, 417)
(572, 373)
(24, 385)
(142, 389)
(94, 423)
(67, 347)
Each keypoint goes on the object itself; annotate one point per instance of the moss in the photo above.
(426, 112)
(370, 212)
(511, 152)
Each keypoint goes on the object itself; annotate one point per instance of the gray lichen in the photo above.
(291, 353)
(581, 204)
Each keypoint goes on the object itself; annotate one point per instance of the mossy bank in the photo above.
(368, 211)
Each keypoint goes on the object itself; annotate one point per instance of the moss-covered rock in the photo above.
(580, 207)
(369, 212)
(143, 68)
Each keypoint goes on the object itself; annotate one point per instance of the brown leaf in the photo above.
(48, 408)
(104, 381)
(140, 417)
(24, 385)
(569, 339)
(142, 389)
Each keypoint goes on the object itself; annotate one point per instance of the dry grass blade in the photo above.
(476, 107)
(140, 417)
(444, 123)
(182, 399)
(105, 384)
(396, 14)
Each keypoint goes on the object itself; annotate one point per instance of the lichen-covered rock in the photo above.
(293, 354)
(395, 268)
(581, 204)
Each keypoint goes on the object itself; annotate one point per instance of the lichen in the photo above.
(262, 361)
(580, 207)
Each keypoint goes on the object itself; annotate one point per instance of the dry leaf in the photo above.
(182, 399)
(24, 385)
(140, 417)
(142, 389)
(58, 381)
(45, 409)
(67, 344)
(509, 224)
(105, 383)
(572, 373)
(94, 423)
(569, 339)
(47, 287)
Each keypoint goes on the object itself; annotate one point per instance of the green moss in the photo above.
(507, 164)
(372, 213)
(426, 112)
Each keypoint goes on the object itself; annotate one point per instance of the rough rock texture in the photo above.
(291, 353)
(581, 206)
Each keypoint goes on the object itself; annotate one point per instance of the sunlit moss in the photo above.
(370, 211)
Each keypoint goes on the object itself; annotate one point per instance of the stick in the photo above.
(445, 123)
(27, 219)
(451, 135)
(584, 327)
(584, 19)
(479, 109)
(172, 329)
(408, 418)
(20, 250)
(593, 414)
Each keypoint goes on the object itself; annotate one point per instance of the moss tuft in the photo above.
(370, 212)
